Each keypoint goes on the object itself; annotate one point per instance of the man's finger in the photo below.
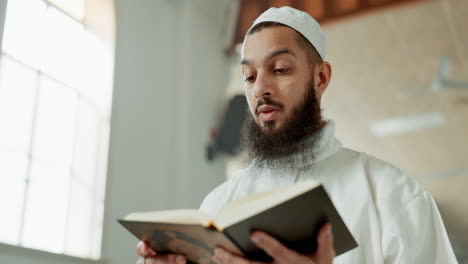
(222, 256)
(166, 259)
(143, 250)
(274, 248)
(325, 251)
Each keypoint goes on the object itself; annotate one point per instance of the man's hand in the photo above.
(148, 256)
(281, 254)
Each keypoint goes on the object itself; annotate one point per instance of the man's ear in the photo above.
(322, 77)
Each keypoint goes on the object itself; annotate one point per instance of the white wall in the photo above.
(170, 77)
(2, 19)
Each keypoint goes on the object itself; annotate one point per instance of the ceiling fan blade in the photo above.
(406, 124)
(456, 85)
(444, 68)
(408, 94)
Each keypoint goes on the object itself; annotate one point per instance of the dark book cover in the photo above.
(295, 223)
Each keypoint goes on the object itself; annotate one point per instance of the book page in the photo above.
(178, 216)
(253, 204)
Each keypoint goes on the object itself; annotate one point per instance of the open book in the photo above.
(293, 214)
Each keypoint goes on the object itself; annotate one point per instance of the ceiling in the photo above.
(377, 56)
(323, 11)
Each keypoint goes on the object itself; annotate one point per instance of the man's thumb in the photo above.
(325, 251)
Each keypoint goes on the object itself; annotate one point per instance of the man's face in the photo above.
(276, 73)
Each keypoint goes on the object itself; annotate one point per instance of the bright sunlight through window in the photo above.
(55, 96)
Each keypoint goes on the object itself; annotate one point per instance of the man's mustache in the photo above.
(267, 101)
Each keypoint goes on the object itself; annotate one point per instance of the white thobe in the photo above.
(392, 218)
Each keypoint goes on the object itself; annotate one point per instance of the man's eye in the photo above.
(282, 70)
(249, 79)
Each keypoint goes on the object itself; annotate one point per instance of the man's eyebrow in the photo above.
(272, 55)
(279, 52)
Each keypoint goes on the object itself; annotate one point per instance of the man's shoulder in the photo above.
(373, 166)
(387, 181)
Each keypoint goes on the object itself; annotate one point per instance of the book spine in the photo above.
(233, 241)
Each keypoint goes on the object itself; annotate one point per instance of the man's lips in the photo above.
(268, 112)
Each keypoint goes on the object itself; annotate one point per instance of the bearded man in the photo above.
(393, 219)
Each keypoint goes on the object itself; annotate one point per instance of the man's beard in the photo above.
(300, 131)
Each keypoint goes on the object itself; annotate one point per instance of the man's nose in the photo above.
(263, 86)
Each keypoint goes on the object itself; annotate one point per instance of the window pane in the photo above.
(12, 182)
(96, 70)
(102, 159)
(46, 208)
(86, 146)
(78, 240)
(75, 8)
(61, 47)
(96, 234)
(22, 31)
(17, 91)
(55, 122)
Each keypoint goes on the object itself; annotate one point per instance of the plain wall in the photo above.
(169, 85)
(170, 76)
(2, 19)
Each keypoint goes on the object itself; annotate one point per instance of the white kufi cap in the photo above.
(299, 21)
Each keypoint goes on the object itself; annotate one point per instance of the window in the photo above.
(55, 96)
